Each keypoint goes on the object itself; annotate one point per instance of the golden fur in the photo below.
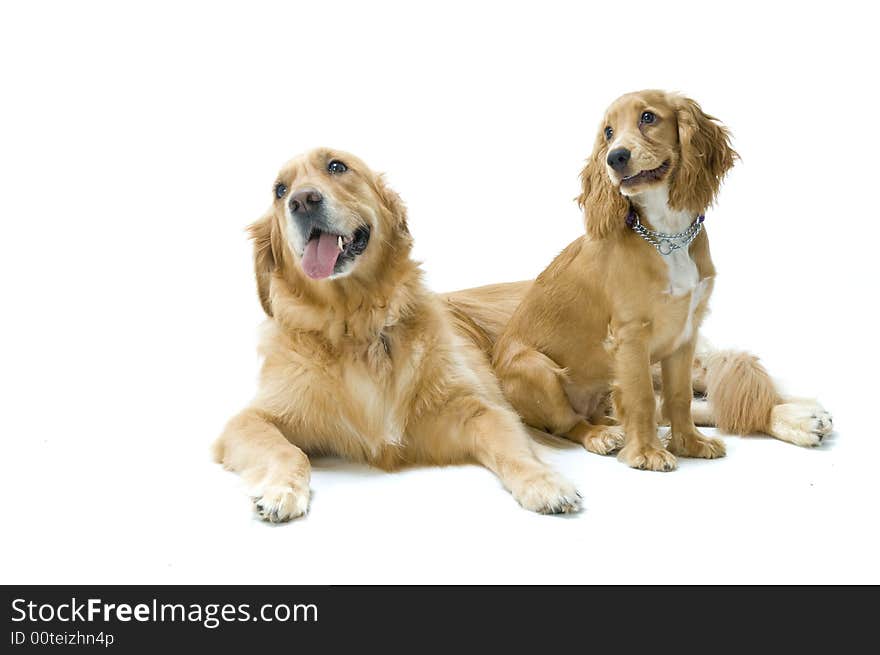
(741, 398)
(366, 364)
(735, 412)
(732, 391)
(609, 306)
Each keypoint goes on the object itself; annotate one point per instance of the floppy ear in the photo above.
(396, 209)
(706, 156)
(266, 256)
(604, 208)
(391, 201)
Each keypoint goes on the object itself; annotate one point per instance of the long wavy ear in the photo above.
(604, 208)
(390, 200)
(706, 156)
(396, 208)
(264, 234)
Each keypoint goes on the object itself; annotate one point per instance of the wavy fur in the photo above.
(741, 391)
(604, 208)
(367, 364)
(705, 158)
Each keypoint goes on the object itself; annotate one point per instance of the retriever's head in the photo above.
(331, 218)
(649, 139)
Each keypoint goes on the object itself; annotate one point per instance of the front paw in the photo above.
(278, 503)
(607, 440)
(648, 457)
(694, 444)
(547, 492)
(802, 423)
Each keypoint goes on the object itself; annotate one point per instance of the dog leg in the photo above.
(796, 421)
(277, 471)
(502, 445)
(801, 422)
(635, 401)
(532, 383)
(743, 399)
(599, 439)
(469, 428)
(684, 439)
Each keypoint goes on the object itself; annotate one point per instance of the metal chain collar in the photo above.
(666, 244)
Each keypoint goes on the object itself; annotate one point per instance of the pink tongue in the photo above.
(320, 256)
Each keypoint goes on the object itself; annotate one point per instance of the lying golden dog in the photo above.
(632, 292)
(360, 360)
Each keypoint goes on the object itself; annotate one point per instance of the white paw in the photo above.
(282, 502)
(803, 423)
(665, 436)
(548, 493)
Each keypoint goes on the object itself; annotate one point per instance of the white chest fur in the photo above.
(684, 278)
(683, 274)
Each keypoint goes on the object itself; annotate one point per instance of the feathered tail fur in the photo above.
(740, 390)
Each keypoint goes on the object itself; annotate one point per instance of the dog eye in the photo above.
(648, 117)
(608, 133)
(280, 190)
(336, 167)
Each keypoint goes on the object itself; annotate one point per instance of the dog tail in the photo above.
(741, 392)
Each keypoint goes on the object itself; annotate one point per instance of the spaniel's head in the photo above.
(649, 139)
(331, 217)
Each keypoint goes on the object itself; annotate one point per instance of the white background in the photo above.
(136, 142)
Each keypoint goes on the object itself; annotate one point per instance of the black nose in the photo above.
(305, 200)
(618, 158)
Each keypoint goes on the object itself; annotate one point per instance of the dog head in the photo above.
(649, 139)
(331, 218)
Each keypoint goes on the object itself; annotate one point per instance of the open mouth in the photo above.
(327, 253)
(646, 176)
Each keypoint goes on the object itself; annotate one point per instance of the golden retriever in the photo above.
(360, 360)
(633, 291)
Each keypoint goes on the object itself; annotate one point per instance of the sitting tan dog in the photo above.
(360, 360)
(631, 293)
